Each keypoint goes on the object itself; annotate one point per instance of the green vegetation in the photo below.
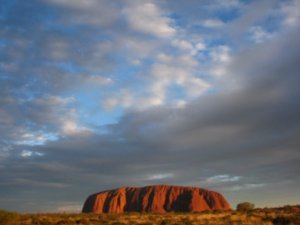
(9, 218)
(289, 215)
(245, 206)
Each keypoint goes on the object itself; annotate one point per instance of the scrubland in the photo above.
(288, 215)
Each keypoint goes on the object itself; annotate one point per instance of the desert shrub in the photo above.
(217, 211)
(8, 218)
(118, 223)
(245, 206)
(281, 220)
(165, 222)
(35, 220)
(205, 211)
(225, 218)
(186, 221)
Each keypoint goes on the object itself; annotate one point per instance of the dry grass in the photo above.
(269, 216)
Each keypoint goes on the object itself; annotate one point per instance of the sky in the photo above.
(100, 94)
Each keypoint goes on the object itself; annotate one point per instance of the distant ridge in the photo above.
(155, 198)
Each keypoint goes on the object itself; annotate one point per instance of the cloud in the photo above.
(220, 54)
(183, 44)
(254, 124)
(26, 153)
(291, 13)
(213, 23)
(259, 35)
(70, 127)
(179, 71)
(167, 73)
(221, 58)
(194, 104)
(77, 4)
(252, 13)
(228, 4)
(148, 18)
(98, 80)
(32, 139)
(222, 178)
(160, 176)
(246, 186)
(186, 46)
(90, 12)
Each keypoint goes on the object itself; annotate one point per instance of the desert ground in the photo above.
(287, 215)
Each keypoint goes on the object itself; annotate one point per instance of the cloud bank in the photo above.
(110, 94)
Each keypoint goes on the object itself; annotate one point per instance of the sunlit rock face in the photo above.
(157, 199)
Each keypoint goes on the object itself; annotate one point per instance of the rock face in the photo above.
(158, 199)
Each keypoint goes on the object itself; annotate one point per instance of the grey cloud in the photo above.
(251, 132)
(41, 60)
(255, 11)
(50, 55)
(92, 12)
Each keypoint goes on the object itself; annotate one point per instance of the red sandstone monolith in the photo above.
(157, 199)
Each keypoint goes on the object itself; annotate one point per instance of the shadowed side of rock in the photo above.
(158, 199)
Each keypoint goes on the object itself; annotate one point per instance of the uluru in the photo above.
(156, 199)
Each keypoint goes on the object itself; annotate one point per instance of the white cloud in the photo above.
(124, 98)
(62, 115)
(221, 58)
(200, 46)
(213, 23)
(228, 3)
(218, 71)
(160, 176)
(135, 62)
(32, 139)
(138, 47)
(187, 46)
(220, 54)
(196, 86)
(291, 12)
(92, 12)
(24, 181)
(148, 18)
(99, 80)
(223, 178)
(179, 71)
(54, 101)
(57, 49)
(182, 44)
(70, 127)
(245, 187)
(259, 35)
(180, 103)
(58, 111)
(77, 4)
(158, 91)
(225, 5)
(8, 67)
(128, 99)
(4, 153)
(110, 103)
(27, 153)
(169, 71)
